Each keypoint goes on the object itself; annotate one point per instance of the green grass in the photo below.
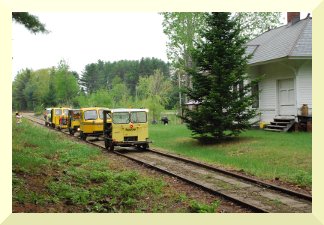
(268, 155)
(70, 173)
(53, 172)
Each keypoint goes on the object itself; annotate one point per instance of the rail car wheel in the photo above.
(145, 146)
(106, 144)
(109, 145)
(71, 131)
(83, 136)
(53, 125)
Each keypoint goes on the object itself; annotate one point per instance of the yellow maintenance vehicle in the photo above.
(73, 123)
(59, 117)
(91, 122)
(127, 127)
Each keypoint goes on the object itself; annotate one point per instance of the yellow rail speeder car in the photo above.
(91, 122)
(127, 127)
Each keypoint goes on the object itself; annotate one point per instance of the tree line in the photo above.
(126, 83)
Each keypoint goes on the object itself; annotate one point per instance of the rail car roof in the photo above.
(93, 108)
(129, 110)
(60, 108)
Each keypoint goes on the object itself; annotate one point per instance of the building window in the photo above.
(255, 92)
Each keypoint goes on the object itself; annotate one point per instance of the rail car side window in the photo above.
(65, 112)
(76, 115)
(138, 117)
(101, 114)
(120, 117)
(58, 112)
(90, 115)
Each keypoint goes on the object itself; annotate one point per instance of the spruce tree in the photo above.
(219, 86)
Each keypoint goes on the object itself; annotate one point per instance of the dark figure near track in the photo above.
(165, 120)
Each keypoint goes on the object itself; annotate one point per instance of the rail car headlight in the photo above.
(78, 129)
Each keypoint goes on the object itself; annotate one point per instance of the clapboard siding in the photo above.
(304, 84)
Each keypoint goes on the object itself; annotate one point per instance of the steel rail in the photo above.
(240, 176)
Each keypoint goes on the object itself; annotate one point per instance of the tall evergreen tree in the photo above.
(217, 82)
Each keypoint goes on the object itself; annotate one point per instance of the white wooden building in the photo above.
(282, 57)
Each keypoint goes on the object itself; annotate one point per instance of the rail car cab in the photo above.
(91, 122)
(128, 127)
(59, 117)
(73, 122)
(47, 116)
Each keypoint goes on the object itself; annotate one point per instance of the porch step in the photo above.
(276, 130)
(281, 124)
(277, 126)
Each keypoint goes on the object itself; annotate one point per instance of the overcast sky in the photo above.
(83, 38)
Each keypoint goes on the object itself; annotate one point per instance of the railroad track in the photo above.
(254, 194)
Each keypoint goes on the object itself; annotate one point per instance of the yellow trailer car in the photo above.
(73, 122)
(91, 122)
(59, 117)
(128, 127)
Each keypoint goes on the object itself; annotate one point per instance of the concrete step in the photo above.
(275, 126)
(275, 130)
(279, 123)
(283, 120)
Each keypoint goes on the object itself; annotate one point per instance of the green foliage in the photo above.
(65, 83)
(153, 93)
(255, 23)
(31, 22)
(218, 82)
(196, 207)
(19, 100)
(103, 75)
(182, 29)
(35, 90)
(105, 84)
(100, 98)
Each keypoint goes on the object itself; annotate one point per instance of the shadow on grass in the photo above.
(206, 141)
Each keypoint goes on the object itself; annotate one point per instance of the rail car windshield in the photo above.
(90, 115)
(58, 112)
(138, 117)
(126, 117)
(121, 117)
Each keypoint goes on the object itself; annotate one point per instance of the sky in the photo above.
(84, 38)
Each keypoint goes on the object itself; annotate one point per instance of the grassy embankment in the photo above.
(268, 155)
(55, 174)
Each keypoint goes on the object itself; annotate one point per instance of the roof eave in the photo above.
(279, 59)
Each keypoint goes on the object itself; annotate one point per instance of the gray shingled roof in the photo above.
(285, 41)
